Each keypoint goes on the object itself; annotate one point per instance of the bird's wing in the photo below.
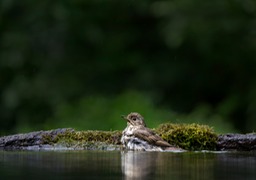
(151, 137)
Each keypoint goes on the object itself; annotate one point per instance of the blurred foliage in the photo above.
(104, 113)
(84, 63)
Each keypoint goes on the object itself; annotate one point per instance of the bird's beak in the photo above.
(124, 117)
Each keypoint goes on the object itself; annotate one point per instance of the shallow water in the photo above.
(126, 165)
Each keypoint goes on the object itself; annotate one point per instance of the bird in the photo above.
(136, 136)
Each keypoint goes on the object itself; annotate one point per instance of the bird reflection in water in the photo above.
(139, 164)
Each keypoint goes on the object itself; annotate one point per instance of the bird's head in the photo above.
(134, 119)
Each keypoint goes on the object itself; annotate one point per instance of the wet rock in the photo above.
(239, 142)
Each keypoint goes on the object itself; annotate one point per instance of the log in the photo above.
(48, 140)
(30, 141)
(239, 142)
(59, 139)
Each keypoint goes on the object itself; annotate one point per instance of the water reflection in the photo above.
(236, 165)
(60, 165)
(139, 165)
(127, 165)
(190, 165)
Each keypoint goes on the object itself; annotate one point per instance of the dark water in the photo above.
(126, 165)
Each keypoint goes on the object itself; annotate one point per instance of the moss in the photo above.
(189, 136)
(84, 139)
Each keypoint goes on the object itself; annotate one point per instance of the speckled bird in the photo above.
(136, 136)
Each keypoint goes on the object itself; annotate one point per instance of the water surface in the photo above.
(126, 165)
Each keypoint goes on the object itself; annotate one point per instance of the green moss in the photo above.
(188, 136)
(84, 139)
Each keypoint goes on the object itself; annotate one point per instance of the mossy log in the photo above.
(186, 136)
(62, 139)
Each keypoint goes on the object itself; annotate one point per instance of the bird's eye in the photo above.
(134, 119)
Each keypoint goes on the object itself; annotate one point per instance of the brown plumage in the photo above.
(150, 136)
(137, 136)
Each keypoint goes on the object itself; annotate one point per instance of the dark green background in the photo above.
(82, 63)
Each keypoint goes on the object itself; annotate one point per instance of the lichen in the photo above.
(189, 136)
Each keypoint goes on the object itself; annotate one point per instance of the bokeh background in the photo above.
(83, 63)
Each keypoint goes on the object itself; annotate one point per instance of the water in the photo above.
(126, 165)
